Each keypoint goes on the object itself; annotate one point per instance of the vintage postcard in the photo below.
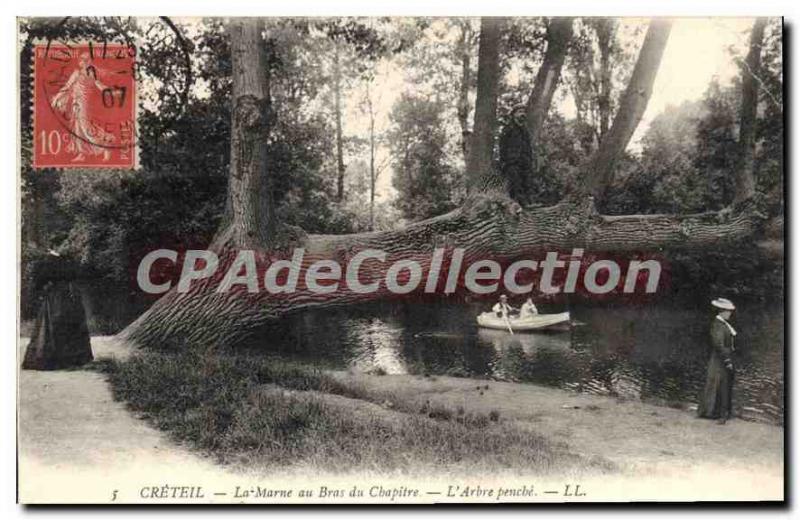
(394, 260)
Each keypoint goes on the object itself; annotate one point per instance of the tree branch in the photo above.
(600, 172)
(743, 174)
(559, 34)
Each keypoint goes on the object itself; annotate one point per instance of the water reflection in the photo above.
(378, 347)
(530, 343)
(655, 353)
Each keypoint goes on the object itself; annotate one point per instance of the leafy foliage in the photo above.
(423, 177)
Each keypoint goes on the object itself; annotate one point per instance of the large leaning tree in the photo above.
(488, 224)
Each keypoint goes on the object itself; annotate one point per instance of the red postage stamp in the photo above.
(84, 106)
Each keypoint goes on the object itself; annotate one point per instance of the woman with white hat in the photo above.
(717, 399)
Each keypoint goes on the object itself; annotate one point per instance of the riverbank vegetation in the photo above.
(252, 411)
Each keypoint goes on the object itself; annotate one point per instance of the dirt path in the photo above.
(76, 444)
(640, 437)
(72, 431)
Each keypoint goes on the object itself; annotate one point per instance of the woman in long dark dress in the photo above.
(60, 336)
(717, 399)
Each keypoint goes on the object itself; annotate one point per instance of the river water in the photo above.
(653, 352)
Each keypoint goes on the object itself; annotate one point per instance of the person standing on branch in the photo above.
(516, 157)
(717, 399)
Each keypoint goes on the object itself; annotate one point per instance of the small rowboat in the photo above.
(490, 320)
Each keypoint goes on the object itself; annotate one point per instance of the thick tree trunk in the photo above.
(465, 48)
(600, 172)
(492, 226)
(745, 185)
(249, 221)
(479, 160)
(559, 33)
(249, 216)
(337, 101)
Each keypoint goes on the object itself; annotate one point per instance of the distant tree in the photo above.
(769, 165)
(665, 178)
(422, 175)
(560, 155)
(440, 61)
(352, 42)
(375, 136)
(690, 152)
(717, 144)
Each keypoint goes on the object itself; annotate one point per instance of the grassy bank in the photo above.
(247, 410)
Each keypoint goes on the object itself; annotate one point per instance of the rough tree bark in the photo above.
(600, 172)
(559, 34)
(745, 185)
(465, 48)
(479, 158)
(249, 221)
(488, 225)
(249, 214)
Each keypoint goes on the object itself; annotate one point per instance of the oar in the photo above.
(508, 323)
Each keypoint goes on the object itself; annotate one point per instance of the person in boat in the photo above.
(528, 309)
(503, 309)
(717, 399)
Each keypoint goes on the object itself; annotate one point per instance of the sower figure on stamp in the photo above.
(60, 336)
(73, 101)
(717, 399)
(516, 157)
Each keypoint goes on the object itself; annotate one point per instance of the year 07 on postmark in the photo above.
(84, 106)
